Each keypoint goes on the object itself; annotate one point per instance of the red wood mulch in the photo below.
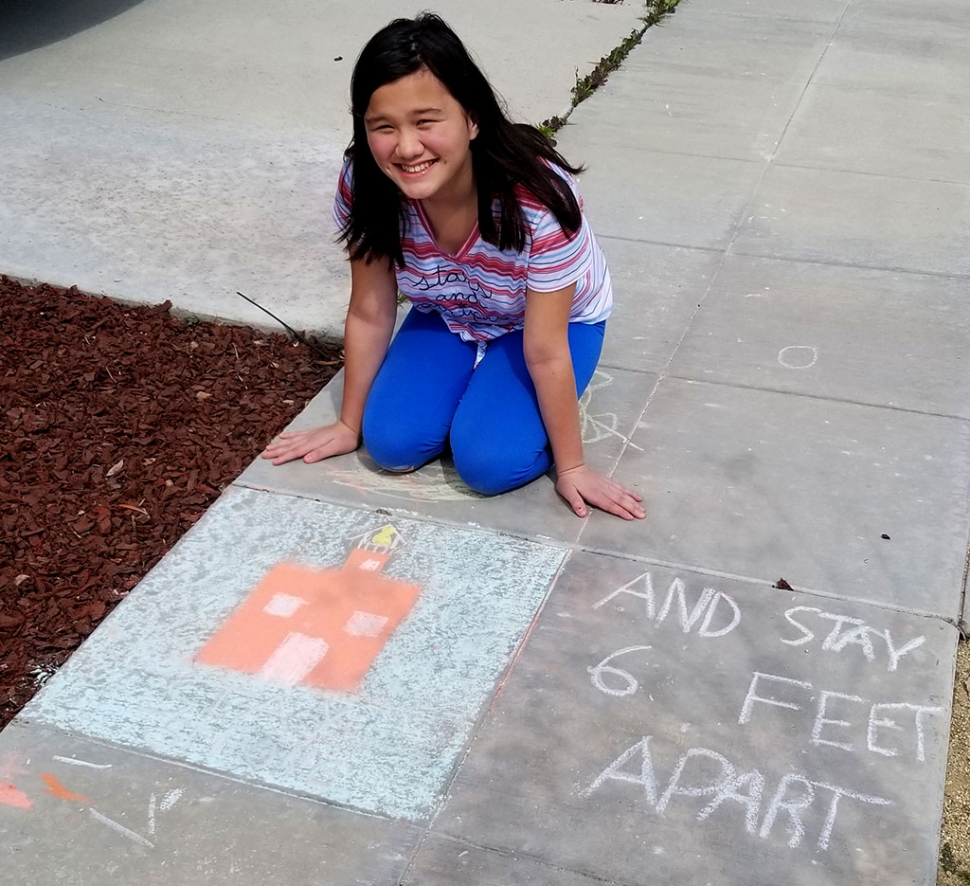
(119, 426)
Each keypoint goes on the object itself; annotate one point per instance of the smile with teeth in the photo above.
(420, 167)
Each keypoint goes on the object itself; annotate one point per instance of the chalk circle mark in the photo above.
(798, 357)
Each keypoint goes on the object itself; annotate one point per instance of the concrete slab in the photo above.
(921, 59)
(672, 727)
(656, 290)
(323, 651)
(827, 11)
(838, 128)
(884, 222)
(176, 150)
(694, 201)
(609, 413)
(115, 201)
(766, 485)
(947, 14)
(100, 814)
(732, 49)
(879, 337)
(445, 862)
(705, 115)
(288, 66)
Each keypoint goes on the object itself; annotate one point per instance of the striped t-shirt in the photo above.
(480, 291)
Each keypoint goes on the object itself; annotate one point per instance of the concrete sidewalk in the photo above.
(344, 677)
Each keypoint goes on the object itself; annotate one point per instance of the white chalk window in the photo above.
(365, 624)
(283, 605)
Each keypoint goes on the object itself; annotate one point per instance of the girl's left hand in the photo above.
(582, 485)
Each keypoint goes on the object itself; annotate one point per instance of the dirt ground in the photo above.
(955, 839)
(119, 425)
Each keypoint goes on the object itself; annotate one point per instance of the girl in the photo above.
(477, 221)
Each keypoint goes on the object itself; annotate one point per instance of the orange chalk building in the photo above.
(321, 628)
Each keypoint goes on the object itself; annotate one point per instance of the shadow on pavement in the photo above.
(30, 24)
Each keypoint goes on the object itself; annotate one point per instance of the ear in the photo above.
(472, 126)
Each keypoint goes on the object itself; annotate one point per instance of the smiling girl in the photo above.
(478, 222)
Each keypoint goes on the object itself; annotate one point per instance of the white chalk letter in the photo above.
(646, 778)
(687, 621)
(837, 793)
(730, 789)
(877, 722)
(674, 787)
(752, 695)
(807, 635)
(646, 594)
(821, 720)
(896, 655)
(705, 629)
(794, 807)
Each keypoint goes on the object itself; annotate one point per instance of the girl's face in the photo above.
(420, 137)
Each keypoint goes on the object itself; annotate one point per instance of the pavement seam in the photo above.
(808, 396)
(518, 855)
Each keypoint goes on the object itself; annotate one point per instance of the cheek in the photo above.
(380, 146)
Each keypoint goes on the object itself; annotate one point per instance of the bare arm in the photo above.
(546, 345)
(367, 333)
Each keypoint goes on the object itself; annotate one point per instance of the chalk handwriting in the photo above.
(793, 802)
(596, 673)
(599, 426)
(716, 612)
(847, 631)
(797, 695)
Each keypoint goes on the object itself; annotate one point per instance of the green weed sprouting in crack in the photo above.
(586, 86)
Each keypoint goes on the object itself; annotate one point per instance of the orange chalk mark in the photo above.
(56, 789)
(11, 796)
(309, 627)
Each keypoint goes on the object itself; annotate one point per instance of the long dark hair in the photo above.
(504, 154)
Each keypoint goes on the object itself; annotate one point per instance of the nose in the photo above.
(409, 144)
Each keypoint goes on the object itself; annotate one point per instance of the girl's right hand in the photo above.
(313, 445)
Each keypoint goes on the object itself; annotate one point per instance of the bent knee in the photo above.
(493, 475)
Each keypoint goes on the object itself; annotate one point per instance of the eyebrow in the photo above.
(420, 112)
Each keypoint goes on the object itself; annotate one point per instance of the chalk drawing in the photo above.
(121, 829)
(73, 761)
(169, 799)
(318, 628)
(599, 426)
(56, 789)
(11, 795)
(875, 720)
(859, 634)
(435, 481)
(12, 766)
(798, 357)
(707, 605)
(794, 799)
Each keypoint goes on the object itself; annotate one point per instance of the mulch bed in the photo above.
(119, 426)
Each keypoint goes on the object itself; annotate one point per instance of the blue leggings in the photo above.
(429, 394)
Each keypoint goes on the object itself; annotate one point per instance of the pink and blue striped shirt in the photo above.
(480, 291)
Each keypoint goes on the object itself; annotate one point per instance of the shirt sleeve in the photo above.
(344, 197)
(556, 260)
